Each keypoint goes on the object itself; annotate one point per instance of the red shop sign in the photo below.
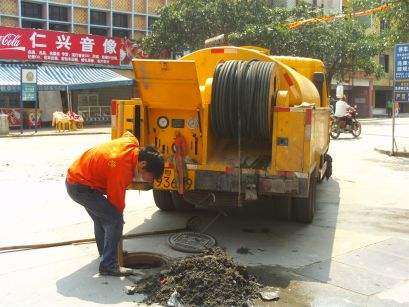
(36, 45)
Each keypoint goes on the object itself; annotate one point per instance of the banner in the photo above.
(35, 45)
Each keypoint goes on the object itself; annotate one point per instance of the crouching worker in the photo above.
(98, 181)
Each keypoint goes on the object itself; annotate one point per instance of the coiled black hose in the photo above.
(242, 86)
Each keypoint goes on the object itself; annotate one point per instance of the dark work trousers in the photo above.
(108, 222)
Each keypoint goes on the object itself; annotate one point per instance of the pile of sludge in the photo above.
(208, 279)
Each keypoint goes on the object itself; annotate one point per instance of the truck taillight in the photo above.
(308, 116)
(113, 107)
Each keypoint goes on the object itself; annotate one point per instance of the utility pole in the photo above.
(394, 147)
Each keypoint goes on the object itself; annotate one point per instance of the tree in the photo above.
(395, 17)
(345, 46)
(186, 24)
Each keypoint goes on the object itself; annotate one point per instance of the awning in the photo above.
(58, 78)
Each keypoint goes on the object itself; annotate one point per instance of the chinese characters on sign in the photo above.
(28, 84)
(49, 46)
(401, 90)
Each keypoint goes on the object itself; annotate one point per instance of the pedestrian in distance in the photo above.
(389, 107)
(98, 180)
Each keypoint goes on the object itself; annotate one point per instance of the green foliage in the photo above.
(185, 24)
(345, 46)
(396, 16)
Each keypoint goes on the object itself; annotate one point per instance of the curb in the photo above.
(51, 134)
(402, 154)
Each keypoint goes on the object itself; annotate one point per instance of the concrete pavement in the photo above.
(50, 131)
(356, 253)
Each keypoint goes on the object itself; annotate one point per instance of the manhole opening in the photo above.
(142, 260)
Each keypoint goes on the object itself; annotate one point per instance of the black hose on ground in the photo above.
(17, 248)
(242, 86)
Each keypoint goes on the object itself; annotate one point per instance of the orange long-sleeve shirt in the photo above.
(108, 167)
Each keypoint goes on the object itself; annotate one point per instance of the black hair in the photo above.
(154, 161)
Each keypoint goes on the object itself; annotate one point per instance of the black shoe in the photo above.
(118, 271)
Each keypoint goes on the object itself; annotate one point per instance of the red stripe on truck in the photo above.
(217, 50)
(288, 79)
(113, 107)
(281, 109)
(308, 116)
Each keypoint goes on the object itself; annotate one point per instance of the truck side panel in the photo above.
(288, 141)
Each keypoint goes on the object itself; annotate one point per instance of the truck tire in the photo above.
(179, 202)
(282, 207)
(163, 200)
(304, 208)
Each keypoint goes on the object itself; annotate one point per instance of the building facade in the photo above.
(127, 20)
(114, 18)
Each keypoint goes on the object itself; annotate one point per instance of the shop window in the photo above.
(59, 27)
(9, 100)
(384, 61)
(120, 20)
(99, 18)
(92, 110)
(58, 13)
(151, 21)
(98, 31)
(121, 33)
(32, 24)
(33, 10)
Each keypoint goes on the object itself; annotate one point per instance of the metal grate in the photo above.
(62, 1)
(100, 4)
(81, 29)
(122, 5)
(154, 5)
(81, 2)
(140, 22)
(140, 6)
(80, 15)
(8, 7)
(9, 21)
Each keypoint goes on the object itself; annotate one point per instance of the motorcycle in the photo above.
(346, 124)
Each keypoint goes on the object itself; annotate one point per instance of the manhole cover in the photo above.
(191, 242)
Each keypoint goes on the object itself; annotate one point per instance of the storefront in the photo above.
(75, 72)
(359, 93)
(382, 95)
(85, 90)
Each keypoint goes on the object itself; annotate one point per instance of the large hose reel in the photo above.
(242, 98)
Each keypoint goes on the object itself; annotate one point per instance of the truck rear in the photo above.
(234, 125)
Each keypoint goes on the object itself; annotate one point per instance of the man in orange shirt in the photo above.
(108, 169)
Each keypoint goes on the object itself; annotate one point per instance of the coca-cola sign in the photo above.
(11, 41)
(35, 45)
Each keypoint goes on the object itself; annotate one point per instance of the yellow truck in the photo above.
(234, 125)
